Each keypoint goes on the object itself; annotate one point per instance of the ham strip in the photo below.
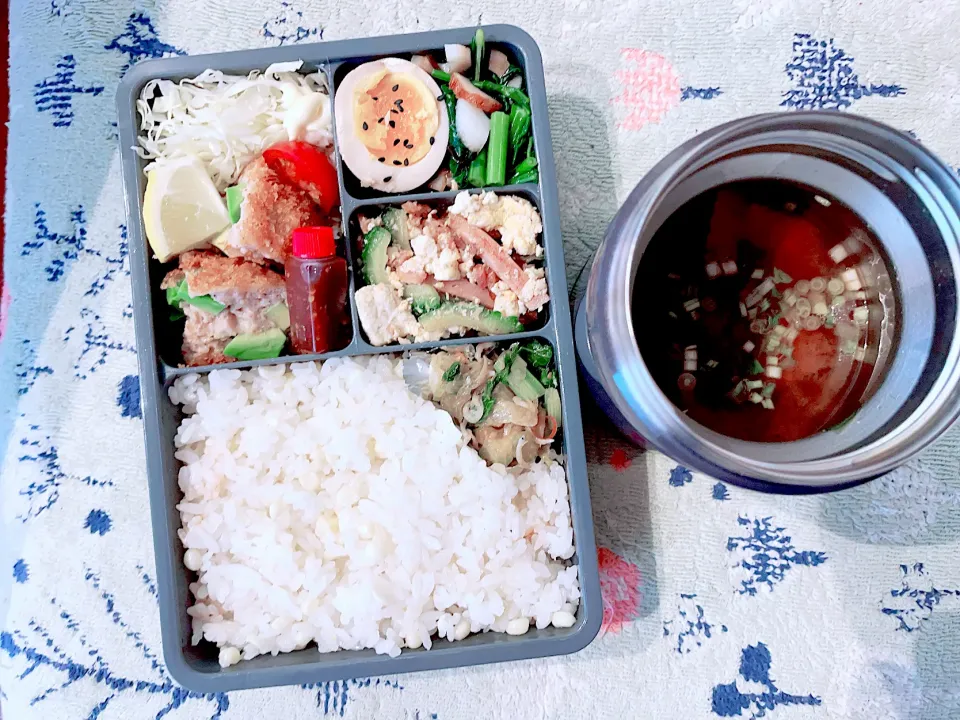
(466, 90)
(491, 252)
(465, 290)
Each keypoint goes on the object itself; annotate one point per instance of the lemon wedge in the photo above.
(182, 209)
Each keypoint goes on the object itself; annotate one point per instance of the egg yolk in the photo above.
(396, 118)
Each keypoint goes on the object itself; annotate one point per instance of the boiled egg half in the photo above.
(391, 126)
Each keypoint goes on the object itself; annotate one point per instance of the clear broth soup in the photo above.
(765, 310)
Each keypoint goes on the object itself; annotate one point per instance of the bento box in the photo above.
(196, 666)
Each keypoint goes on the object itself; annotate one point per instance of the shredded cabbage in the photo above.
(228, 120)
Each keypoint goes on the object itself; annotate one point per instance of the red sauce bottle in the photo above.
(316, 292)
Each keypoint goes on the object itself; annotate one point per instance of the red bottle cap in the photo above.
(314, 242)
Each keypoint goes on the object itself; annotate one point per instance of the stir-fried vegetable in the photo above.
(451, 374)
(513, 416)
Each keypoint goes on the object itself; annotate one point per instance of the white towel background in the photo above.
(720, 602)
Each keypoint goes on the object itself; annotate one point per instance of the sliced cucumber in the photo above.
(523, 383)
(551, 402)
(468, 315)
(256, 346)
(395, 220)
(423, 298)
(279, 315)
(375, 244)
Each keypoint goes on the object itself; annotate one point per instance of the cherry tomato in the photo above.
(306, 166)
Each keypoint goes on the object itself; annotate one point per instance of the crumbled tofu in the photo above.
(424, 246)
(507, 304)
(534, 288)
(447, 265)
(442, 264)
(384, 315)
(367, 224)
(412, 265)
(515, 218)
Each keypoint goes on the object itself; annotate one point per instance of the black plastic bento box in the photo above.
(196, 667)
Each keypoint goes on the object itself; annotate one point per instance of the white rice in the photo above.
(329, 504)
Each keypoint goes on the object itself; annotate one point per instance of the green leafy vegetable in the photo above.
(440, 76)
(451, 374)
(477, 175)
(527, 165)
(519, 129)
(527, 177)
(537, 353)
(477, 49)
(459, 171)
(497, 148)
(516, 95)
(502, 367)
(510, 96)
(548, 378)
(512, 72)
(457, 149)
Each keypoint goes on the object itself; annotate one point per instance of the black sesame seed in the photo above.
(396, 142)
(407, 144)
(365, 126)
(396, 87)
(439, 98)
(388, 178)
(406, 161)
(432, 140)
(383, 159)
(375, 97)
(396, 162)
(393, 124)
(380, 121)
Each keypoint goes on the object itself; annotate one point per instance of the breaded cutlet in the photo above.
(210, 272)
(271, 210)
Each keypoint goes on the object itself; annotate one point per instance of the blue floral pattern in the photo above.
(755, 662)
(766, 554)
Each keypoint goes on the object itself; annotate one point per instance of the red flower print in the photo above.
(651, 88)
(620, 587)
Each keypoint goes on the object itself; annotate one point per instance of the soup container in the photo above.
(907, 197)
(196, 666)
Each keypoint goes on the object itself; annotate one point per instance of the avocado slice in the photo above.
(279, 315)
(256, 346)
(234, 201)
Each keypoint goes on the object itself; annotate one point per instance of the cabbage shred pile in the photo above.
(226, 120)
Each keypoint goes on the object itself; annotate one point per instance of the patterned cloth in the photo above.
(719, 602)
